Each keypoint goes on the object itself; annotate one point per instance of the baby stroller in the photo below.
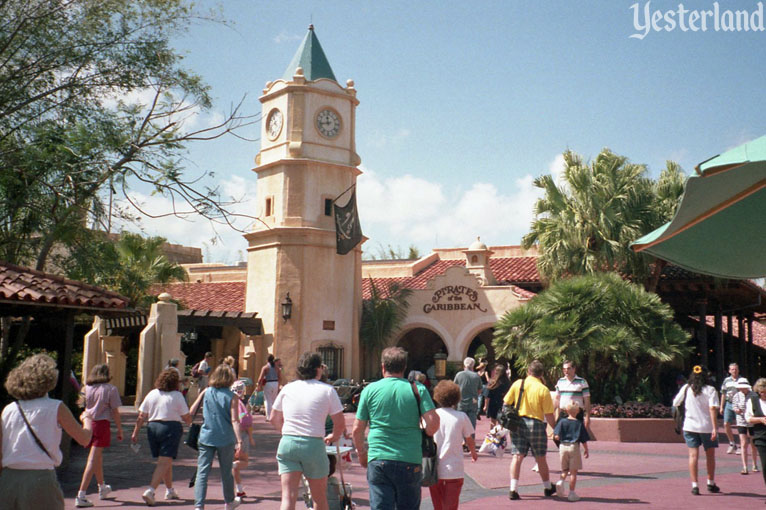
(338, 495)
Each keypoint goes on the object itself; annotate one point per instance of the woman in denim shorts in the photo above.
(701, 404)
(164, 409)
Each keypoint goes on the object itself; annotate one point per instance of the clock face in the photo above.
(274, 123)
(328, 123)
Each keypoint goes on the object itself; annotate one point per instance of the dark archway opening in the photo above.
(421, 344)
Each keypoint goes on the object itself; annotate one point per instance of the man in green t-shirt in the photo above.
(394, 458)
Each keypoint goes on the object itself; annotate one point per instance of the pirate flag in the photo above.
(348, 232)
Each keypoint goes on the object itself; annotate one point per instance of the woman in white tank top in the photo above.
(31, 434)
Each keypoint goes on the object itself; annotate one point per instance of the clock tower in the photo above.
(307, 160)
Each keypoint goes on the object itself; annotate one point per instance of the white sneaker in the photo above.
(104, 491)
(739, 451)
(536, 468)
(234, 504)
(148, 497)
(82, 502)
(573, 496)
(731, 449)
(561, 488)
(171, 494)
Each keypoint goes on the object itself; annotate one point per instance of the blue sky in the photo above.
(464, 103)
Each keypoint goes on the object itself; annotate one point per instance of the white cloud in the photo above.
(407, 210)
(188, 115)
(556, 168)
(284, 37)
(220, 242)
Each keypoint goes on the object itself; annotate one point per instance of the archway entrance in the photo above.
(421, 344)
(481, 346)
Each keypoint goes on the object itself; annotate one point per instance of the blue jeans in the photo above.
(394, 485)
(205, 463)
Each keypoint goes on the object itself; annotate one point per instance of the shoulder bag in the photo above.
(509, 417)
(679, 413)
(428, 448)
(192, 437)
(32, 431)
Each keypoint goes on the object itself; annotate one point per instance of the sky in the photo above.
(463, 104)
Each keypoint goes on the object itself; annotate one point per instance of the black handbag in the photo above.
(509, 417)
(192, 437)
(679, 413)
(428, 449)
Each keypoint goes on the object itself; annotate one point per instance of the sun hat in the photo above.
(743, 384)
(238, 387)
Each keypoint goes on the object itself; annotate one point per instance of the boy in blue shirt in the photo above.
(571, 432)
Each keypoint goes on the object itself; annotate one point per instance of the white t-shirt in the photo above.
(698, 408)
(305, 406)
(454, 426)
(164, 405)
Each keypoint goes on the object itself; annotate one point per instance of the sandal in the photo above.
(743, 472)
(755, 468)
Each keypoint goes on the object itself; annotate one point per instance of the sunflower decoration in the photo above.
(697, 369)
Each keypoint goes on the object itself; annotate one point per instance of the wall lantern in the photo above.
(440, 365)
(287, 307)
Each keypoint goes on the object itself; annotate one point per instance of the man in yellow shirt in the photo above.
(535, 408)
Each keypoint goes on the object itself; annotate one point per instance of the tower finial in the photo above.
(311, 26)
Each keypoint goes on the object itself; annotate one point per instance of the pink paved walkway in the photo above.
(616, 476)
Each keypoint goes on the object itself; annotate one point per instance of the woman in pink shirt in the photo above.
(102, 402)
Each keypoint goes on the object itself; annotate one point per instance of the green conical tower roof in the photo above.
(311, 58)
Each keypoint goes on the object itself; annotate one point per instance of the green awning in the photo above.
(720, 226)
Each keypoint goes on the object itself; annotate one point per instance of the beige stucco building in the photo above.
(307, 161)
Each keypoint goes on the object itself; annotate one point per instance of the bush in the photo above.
(630, 410)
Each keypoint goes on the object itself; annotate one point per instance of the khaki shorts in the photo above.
(570, 457)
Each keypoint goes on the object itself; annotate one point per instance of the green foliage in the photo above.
(129, 266)
(617, 334)
(394, 253)
(586, 224)
(382, 314)
(93, 99)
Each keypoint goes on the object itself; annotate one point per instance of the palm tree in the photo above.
(615, 330)
(586, 224)
(143, 264)
(130, 266)
(382, 315)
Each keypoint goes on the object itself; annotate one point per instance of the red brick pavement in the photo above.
(616, 476)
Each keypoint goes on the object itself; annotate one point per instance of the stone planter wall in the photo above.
(634, 430)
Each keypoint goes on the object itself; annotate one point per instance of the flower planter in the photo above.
(634, 430)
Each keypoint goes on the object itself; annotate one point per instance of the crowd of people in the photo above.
(394, 416)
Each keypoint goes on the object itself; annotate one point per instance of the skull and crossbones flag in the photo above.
(348, 232)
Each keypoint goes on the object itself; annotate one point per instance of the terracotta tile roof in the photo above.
(515, 269)
(215, 296)
(24, 285)
(523, 293)
(506, 270)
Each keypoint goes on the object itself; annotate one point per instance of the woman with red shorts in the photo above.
(102, 403)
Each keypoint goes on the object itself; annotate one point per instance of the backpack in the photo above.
(679, 413)
(195, 373)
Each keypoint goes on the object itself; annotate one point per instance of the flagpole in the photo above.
(346, 191)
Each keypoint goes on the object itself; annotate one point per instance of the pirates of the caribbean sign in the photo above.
(453, 298)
